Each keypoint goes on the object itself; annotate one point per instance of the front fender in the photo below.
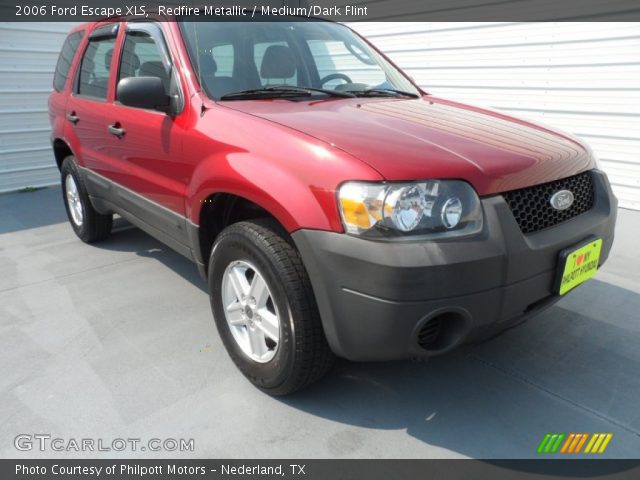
(291, 175)
(293, 202)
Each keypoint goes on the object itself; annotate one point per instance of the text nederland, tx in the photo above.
(170, 469)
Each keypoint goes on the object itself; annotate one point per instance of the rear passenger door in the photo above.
(61, 91)
(87, 104)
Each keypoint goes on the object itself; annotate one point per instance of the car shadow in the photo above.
(128, 238)
(574, 368)
(31, 209)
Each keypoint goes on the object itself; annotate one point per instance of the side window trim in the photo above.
(100, 33)
(104, 32)
(155, 32)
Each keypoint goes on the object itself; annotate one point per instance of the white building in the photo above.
(581, 77)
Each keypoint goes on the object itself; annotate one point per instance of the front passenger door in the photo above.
(146, 145)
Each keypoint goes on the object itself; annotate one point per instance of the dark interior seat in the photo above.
(218, 85)
(278, 63)
(91, 86)
(155, 69)
(129, 65)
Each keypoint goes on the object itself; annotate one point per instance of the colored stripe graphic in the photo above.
(543, 443)
(566, 445)
(591, 442)
(581, 442)
(605, 443)
(574, 443)
(556, 445)
(598, 443)
(550, 443)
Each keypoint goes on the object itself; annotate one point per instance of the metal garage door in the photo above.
(581, 77)
(28, 54)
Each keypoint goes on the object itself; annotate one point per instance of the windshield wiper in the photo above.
(332, 93)
(281, 91)
(266, 92)
(382, 92)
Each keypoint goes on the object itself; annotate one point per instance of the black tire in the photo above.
(303, 355)
(94, 226)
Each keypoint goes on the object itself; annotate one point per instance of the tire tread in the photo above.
(313, 354)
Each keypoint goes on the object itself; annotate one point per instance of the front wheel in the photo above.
(264, 308)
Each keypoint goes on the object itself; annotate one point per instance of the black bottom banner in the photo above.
(320, 469)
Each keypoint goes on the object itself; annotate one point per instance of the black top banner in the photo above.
(336, 10)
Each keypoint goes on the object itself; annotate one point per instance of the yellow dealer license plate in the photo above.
(578, 264)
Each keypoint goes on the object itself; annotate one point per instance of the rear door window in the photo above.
(95, 67)
(65, 59)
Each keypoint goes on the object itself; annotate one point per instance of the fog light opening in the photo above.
(442, 332)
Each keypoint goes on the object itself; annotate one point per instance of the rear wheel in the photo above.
(264, 308)
(89, 225)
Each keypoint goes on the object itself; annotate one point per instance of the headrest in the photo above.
(152, 69)
(208, 65)
(278, 62)
(129, 64)
(88, 65)
(135, 61)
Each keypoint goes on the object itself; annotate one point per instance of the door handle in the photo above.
(72, 117)
(116, 129)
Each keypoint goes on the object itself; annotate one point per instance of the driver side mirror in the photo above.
(143, 92)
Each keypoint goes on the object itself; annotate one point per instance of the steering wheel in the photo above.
(335, 76)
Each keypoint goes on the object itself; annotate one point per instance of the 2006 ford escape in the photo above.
(333, 206)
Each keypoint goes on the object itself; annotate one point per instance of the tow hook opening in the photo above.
(442, 332)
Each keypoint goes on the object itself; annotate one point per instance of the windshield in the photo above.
(232, 57)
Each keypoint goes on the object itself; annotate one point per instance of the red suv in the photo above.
(333, 206)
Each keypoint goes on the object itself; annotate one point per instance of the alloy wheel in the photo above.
(73, 200)
(250, 311)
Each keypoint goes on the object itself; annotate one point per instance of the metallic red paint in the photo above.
(290, 157)
(406, 139)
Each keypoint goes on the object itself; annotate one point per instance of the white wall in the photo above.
(28, 54)
(581, 77)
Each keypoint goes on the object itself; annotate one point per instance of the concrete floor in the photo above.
(117, 340)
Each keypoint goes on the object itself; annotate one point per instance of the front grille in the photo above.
(532, 209)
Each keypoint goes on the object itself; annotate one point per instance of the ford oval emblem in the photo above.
(561, 200)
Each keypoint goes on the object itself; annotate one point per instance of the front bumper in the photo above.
(375, 298)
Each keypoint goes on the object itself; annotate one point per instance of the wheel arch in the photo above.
(220, 209)
(61, 150)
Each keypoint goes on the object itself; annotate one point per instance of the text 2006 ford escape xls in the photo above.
(333, 206)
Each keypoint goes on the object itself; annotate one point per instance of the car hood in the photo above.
(433, 138)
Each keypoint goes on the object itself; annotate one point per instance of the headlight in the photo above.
(431, 208)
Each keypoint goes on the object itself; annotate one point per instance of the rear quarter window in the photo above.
(69, 49)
